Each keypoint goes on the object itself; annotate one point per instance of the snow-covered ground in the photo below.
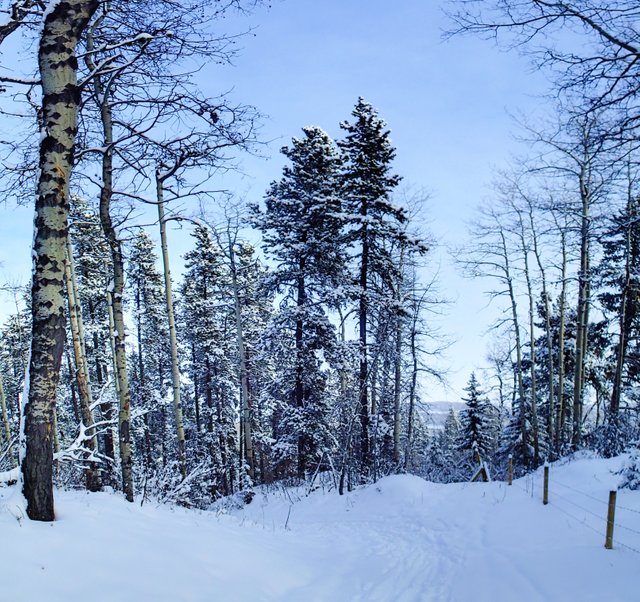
(402, 539)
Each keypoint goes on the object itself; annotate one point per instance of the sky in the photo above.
(447, 104)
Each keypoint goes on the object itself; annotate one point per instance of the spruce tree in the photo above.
(373, 221)
(302, 230)
(93, 269)
(477, 422)
(256, 309)
(207, 322)
(150, 363)
(619, 273)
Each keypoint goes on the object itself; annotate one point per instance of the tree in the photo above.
(149, 372)
(243, 280)
(605, 72)
(173, 338)
(492, 255)
(374, 221)
(61, 29)
(93, 270)
(302, 227)
(618, 274)
(146, 121)
(443, 455)
(82, 378)
(14, 350)
(477, 421)
(209, 332)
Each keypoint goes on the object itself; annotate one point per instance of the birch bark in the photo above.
(58, 65)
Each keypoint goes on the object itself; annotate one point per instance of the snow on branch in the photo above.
(18, 14)
(10, 476)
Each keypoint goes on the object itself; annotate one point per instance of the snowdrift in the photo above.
(402, 539)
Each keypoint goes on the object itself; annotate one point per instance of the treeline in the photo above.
(242, 373)
(559, 243)
(245, 370)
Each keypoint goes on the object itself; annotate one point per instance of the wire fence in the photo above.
(572, 508)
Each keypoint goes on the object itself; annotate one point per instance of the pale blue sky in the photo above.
(446, 104)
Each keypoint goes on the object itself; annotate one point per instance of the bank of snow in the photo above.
(402, 539)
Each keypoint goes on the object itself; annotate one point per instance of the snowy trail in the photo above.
(401, 540)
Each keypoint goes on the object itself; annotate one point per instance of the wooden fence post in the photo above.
(611, 514)
(510, 470)
(545, 495)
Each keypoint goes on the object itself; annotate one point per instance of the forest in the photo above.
(297, 338)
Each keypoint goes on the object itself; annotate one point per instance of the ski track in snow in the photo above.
(401, 540)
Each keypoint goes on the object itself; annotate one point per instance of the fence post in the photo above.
(510, 470)
(545, 495)
(611, 515)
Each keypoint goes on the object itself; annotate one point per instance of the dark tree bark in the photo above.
(299, 385)
(363, 306)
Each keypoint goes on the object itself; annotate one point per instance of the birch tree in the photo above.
(62, 27)
(589, 47)
(491, 255)
(93, 479)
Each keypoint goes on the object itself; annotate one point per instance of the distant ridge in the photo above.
(438, 411)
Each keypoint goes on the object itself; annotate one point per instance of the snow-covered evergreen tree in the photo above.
(442, 462)
(208, 332)
(302, 232)
(150, 368)
(93, 270)
(477, 422)
(630, 474)
(374, 222)
(14, 351)
(619, 274)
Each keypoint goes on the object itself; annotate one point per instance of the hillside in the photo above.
(402, 539)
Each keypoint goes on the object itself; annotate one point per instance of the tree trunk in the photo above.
(119, 333)
(92, 472)
(614, 405)
(299, 383)
(561, 335)
(5, 415)
(116, 298)
(532, 342)
(245, 409)
(582, 313)
(626, 313)
(397, 382)
(58, 66)
(363, 375)
(105, 406)
(547, 325)
(516, 328)
(196, 388)
(412, 392)
(397, 365)
(173, 339)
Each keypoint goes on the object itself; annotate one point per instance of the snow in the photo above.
(402, 539)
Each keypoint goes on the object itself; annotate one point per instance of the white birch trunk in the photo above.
(92, 472)
(58, 65)
(173, 339)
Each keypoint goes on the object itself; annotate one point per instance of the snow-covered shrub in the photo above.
(630, 472)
